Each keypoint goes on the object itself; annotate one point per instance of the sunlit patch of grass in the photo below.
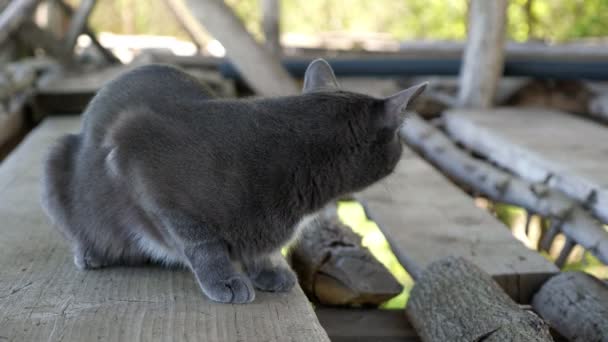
(353, 215)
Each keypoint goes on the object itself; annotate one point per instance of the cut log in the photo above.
(271, 18)
(523, 141)
(576, 305)
(15, 14)
(260, 68)
(483, 55)
(454, 300)
(575, 222)
(335, 269)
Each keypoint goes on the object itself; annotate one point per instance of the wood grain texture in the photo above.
(576, 305)
(540, 145)
(456, 301)
(425, 218)
(44, 297)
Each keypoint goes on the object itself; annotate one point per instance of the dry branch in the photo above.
(335, 269)
(270, 25)
(15, 14)
(192, 27)
(574, 222)
(454, 300)
(576, 305)
(483, 55)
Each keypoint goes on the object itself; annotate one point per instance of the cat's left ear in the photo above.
(395, 105)
(319, 76)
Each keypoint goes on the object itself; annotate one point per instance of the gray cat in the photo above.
(161, 172)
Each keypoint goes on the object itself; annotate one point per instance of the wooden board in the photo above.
(44, 297)
(539, 143)
(425, 218)
(366, 325)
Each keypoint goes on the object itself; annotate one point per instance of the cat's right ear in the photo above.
(319, 76)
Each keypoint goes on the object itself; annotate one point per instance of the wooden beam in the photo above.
(576, 305)
(15, 14)
(483, 57)
(190, 25)
(271, 19)
(262, 71)
(454, 300)
(43, 296)
(78, 23)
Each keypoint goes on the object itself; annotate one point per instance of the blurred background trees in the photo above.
(540, 20)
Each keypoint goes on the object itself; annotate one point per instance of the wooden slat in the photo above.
(540, 144)
(366, 325)
(426, 218)
(44, 297)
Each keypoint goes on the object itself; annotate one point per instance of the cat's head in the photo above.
(370, 126)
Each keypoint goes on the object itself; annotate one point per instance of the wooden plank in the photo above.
(539, 145)
(44, 297)
(483, 56)
(425, 218)
(366, 325)
(261, 69)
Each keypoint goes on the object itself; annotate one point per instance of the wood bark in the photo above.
(16, 13)
(576, 305)
(483, 56)
(271, 13)
(456, 301)
(573, 221)
(260, 68)
(335, 269)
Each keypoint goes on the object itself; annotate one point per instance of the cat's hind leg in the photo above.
(270, 273)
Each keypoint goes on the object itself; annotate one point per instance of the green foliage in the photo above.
(548, 20)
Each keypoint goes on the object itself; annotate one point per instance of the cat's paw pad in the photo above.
(237, 289)
(275, 280)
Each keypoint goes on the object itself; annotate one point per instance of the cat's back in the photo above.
(161, 88)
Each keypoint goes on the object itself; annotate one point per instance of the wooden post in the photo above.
(483, 56)
(576, 305)
(454, 300)
(17, 12)
(259, 67)
(271, 14)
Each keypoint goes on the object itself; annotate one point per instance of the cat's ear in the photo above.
(395, 105)
(319, 76)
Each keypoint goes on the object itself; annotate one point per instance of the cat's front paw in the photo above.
(237, 289)
(278, 279)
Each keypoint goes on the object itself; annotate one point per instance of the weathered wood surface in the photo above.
(335, 269)
(482, 63)
(567, 152)
(44, 297)
(576, 305)
(456, 301)
(425, 218)
(569, 216)
(366, 325)
(261, 69)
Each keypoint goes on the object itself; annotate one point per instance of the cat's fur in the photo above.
(162, 172)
